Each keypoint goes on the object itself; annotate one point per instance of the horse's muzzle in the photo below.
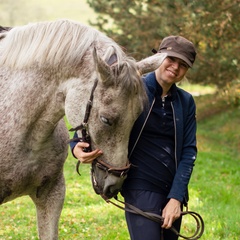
(107, 180)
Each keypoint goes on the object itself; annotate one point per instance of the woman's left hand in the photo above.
(171, 212)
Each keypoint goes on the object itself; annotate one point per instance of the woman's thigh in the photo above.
(140, 227)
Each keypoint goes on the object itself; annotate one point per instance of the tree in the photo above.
(213, 26)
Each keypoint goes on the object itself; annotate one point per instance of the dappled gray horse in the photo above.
(48, 70)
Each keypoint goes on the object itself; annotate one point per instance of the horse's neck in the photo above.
(32, 106)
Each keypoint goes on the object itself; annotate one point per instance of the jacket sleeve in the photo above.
(186, 150)
(73, 143)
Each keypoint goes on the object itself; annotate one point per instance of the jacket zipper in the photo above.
(175, 133)
(142, 128)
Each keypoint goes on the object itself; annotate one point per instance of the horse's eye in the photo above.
(105, 120)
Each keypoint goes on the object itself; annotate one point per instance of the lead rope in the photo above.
(159, 219)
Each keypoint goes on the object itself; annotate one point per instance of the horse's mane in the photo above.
(61, 41)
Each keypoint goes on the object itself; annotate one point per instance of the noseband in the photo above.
(118, 172)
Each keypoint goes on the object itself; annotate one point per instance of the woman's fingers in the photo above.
(85, 157)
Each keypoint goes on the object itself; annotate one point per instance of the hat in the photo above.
(180, 47)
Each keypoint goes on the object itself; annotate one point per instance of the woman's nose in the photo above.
(175, 65)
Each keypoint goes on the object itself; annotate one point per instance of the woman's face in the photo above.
(171, 71)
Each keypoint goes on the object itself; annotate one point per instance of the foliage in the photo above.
(213, 26)
(214, 191)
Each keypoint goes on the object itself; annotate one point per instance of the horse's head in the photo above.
(118, 100)
(118, 97)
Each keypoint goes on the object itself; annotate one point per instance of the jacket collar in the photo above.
(153, 86)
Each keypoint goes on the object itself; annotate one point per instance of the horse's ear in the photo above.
(103, 69)
(110, 56)
(151, 63)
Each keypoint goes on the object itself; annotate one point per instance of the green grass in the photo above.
(216, 175)
(214, 192)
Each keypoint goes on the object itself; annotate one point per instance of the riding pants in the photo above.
(141, 228)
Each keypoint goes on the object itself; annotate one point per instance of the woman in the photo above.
(162, 146)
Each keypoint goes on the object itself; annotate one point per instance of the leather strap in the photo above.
(159, 219)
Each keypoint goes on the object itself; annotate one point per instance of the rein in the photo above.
(159, 219)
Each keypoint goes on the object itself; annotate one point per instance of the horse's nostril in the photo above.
(111, 194)
(114, 192)
(111, 191)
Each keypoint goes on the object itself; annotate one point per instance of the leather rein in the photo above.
(159, 219)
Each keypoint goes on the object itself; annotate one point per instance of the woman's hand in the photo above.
(85, 157)
(171, 212)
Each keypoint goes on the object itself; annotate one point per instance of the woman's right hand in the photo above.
(85, 157)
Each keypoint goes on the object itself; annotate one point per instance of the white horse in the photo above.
(48, 70)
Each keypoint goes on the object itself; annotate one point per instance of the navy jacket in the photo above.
(185, 135)
(184, 113)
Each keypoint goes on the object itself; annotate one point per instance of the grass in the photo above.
(214, 191)
(215, 180)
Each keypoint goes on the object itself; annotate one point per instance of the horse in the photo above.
(53, 69)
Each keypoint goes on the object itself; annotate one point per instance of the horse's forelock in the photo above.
(125, 71)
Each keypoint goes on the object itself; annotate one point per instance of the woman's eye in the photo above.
(105, 120)
(184, 65)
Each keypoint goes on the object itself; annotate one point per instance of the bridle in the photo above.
(107, 168)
